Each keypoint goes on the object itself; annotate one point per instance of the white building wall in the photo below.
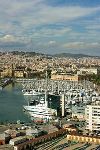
(90, 118)
(63, 105)
(89, 70)
(92, 115)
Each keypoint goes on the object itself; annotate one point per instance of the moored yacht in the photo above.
(40, 111)
(31, 92)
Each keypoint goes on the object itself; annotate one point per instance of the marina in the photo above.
(41, 104)
(75, 93)
(49, 75)
(54, 86)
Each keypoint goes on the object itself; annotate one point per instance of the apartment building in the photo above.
(19, 73)
(92, 116)
(6, 73)
(78, 112)
(87, 71)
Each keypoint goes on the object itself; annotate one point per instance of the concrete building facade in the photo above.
(92, 116)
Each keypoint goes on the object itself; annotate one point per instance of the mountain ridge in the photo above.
(79, 55)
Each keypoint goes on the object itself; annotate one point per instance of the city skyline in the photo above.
(56, 26)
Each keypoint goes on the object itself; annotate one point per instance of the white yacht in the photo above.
(43, 114)
(40, 111)
(31, 92)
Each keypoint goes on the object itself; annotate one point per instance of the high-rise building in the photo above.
(54, 102)
(92, 115)
(63, 105)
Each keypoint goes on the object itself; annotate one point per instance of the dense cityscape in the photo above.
(21, 64)
(49, 75)
(67, 88)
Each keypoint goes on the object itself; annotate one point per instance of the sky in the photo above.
(50, 26)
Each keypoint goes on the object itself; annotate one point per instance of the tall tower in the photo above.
(63, 105)
(46, 101)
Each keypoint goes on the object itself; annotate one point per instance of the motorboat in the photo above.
(31, 92)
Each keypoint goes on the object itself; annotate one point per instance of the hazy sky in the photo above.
(51, 26)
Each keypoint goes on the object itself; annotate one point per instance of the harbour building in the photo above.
(67, 77)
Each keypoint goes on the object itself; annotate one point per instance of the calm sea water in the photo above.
(11, 104)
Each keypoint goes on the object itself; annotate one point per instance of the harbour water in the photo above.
(11, 104)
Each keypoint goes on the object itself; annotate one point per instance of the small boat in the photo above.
(31, 92)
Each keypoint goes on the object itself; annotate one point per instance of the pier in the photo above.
(6, 82)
